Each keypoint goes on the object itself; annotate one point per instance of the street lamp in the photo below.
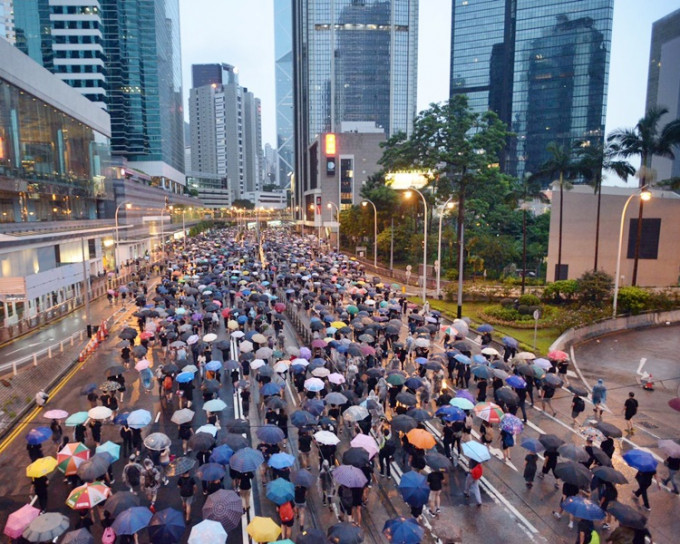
(127, 205)
(447, 205)
(644, 195)
(330, 206)
(375, 230)
(407, 195)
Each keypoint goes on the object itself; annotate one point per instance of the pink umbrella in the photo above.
(142, 364)
(318, 343)
(558, 355)
(367, 350)
(367, 443)
(305, 353)
(55, 414)
(19, 520)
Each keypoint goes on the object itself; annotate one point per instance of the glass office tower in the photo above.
(542, 65)
(283, 52)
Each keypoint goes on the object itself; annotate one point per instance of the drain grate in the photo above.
(648, 425)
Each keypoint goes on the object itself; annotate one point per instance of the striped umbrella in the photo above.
(224, 506)
(489, 412)
(71, 457)
(88, 495)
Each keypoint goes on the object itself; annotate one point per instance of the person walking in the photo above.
(630, 408)
(549, 463)
(435, 480)
(326, 482)
(578, 405)
(547, 393)
(644, 480)
(507, 441)
(40, 490)
(287, 516)
(187, 489)
(57, 433)
(673, 465)
(599, 397)
(472, 481)
(151, 481)
(132, 474)
(530, 468)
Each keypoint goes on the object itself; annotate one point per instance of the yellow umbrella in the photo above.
(41, 467)
(338, 324)
(263, 529)
(232, 325)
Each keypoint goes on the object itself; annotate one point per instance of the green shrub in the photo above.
(594, 288)
(507, 303)
(633, 300)
(529, 300)
(560, 291)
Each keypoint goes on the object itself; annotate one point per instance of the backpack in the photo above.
(167, 383)
(109, 536)
(579, 405)
(594, 537)
(286, 512)
(477, 472)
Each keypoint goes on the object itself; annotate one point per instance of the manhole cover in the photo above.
(648, 425)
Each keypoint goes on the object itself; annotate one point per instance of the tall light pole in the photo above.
(127, 205)
(330, 206)
(644, 195)
(447, 205)
(375, 230)
(407, 194)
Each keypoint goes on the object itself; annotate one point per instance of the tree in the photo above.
(645, 140)
(243, 203)
(560, 164)
(592, 160)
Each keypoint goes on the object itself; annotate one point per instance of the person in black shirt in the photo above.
(40, 490)
(481, 390)
(630, 408)
(644, 480)
(568, 490)
(673, 465)
(245, 400)
(585, 531)
(304, 447)
(187, 489)
(548, 392)
(549, 463)
(301, 504)
(435, 480)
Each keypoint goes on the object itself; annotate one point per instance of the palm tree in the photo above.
(646, 140)
(561, 164)
(593, 161)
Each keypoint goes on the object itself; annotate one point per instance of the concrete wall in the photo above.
(578, 240)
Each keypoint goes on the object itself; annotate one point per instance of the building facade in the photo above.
(283, 53)
(542, 66)
(663, 83)
(352, 62)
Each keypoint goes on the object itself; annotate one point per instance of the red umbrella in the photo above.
(279, 306)
(146, 335)
(367, 350)
(226, 312)
(557, 355)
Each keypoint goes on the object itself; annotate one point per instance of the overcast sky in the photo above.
(241, 32)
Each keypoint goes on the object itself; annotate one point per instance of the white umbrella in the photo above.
(99, 413)
(238, 334)
(320, 372)
(281, 366)
(300, 361)
(326, 437)
(422, 343)
(246, 347)
(190, 368)
(543, 363)
(525, 356)
(490, 351)
(355, 413)
(215, 405)
(193, 339)
(257, 363)
(210, 337)
(208, 428)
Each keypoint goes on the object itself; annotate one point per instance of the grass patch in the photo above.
(544, 338)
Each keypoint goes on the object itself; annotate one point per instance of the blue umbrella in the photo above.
(462, 358)
(270, 434)
(510, 342)
(516, 382)
(246, 460)
(269, 389)
(214, 365)
(640, 460)
(111, 448)
(532, 444)
(139, 419)
(414, 489)
(413, 383)
(249, 335)
(221, 455)
(76, 419)
(38, 435)
(242, 319)
(232, 365)
(121, 419)
(166, 527)
(583, 508)
(298, 369)
(403, 530)
(479, 359)
(281, 460)
(450, 413)
(280, 491)
(89, 388)
(421, 360)
(476, 451)
(300, 418)
(134, 519)
(314, 406)
(185, 377)
(482, 372)
(485, 328)
(210, 472)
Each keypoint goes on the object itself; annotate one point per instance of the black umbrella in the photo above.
(507, 395)
(574, 473)
(580, 391)
(407, 399)
(437, 461)
(234, 441)
(276, 403)
(115, 370)
(608, 429)
(627, 515)
(403, 423)
(266, 371)
(550, 441)
(211, 386)
(609, 474)
(128, 333)
(303, 478)
(180, 466)
(237, 426)
(345, 533)
(120, 501)
(357, 457)
(79, 536)
(601, 457)
(170, 368)
(419, 414)
(223, 344)
(573, 452)
(201, 441)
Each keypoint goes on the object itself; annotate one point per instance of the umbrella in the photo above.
(140, 351)
(552, 379)
(79, 536)
(41, 467)
(94, 467)
(209, 428)
(609, 474)
(580, 391)
(489, 412)
(670, 448)
(345, 533)
(234, 441)
(640, 460)
(591, 433)
(18, 520)
(71, 456)
(476, 451)
(213, 365)
(516, 382)
(138, 419)
(407, 399)
(246, 460)
(336, 378)
(99, 413)
(207, 531)
(302, 478)
(492, 352)
(355, 456)
(132, 520)
(237, 426)
(313, 384)
(349, 476)
(437, 461)
(532, 444)
(263, 529)
(511, 424)
(110, 386)
(157, 441)
(558, 355)
(573, 473)
(201, 441)
(210, 337)
(525, 356)
(128, 333)
(46, 527)
(355, 413)
(281, 460)
(573, 452)
(224, 506)
(186, 377)
(403, 423)
(142, 364)
(510, 342)
(181, 465)
(365, 442)
(482, 371)
(280, 491)
(55, 414)
(403, 530)
(215, 405)
(210, 472)
(452, 413)
(627, 515)
(115, 370)
(167, 526)
(76, 419)
(120, 501)
(182, 416)
(88, 495)
(420, 438)
(270, 434)
(301, 418)
(38, 435)
(550, 441)
(326, 438)
(608, 429)
(414, 489)
(583, 508)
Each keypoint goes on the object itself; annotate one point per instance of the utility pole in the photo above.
(86, 286)
(392, 245)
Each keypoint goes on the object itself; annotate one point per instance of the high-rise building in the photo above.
(353, 61)
(542, 66)
(283, 52)
(663, 84)
(252, 137)
(6, 21)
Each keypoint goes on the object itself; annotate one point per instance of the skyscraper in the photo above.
(283, 52)
(663, 83)
(353, 61)
(541, 66)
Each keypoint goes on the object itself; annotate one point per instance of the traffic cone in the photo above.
(649, 384)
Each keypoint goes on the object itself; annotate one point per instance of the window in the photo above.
(649, 239)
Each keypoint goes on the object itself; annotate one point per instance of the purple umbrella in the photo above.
(463, 394)
(224, 506)
(349, 476)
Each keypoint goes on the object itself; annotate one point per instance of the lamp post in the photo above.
(407, 194)
(447, 205)
(330, 206)
(127, 205)
(644, 195)
(375, 230)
